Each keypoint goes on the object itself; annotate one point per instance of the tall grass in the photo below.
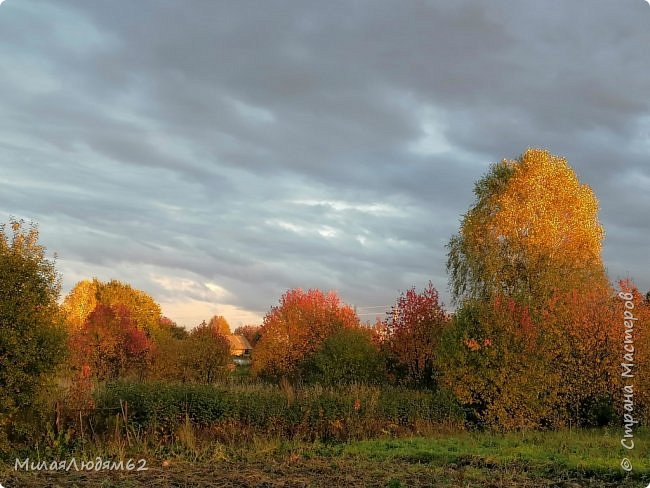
(236, 413)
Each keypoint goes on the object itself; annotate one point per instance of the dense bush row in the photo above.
(310, 412)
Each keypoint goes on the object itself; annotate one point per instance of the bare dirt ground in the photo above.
(313, 472)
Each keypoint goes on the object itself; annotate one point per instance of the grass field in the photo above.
(448, 459)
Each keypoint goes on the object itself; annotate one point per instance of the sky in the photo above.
(216, 154)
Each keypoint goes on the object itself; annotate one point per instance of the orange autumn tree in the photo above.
(639, 348)
(109, 345)
(293, 330)
(514, 369)
(113, 330)
(587, 343)
(531, 240)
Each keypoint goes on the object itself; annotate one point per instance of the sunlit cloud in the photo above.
(341, 206)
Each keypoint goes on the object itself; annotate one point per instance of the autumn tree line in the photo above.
(115, 331)
(535, 340)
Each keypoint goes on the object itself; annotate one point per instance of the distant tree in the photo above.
(250, 332)
(87, 294)
(220, 324)
(167, 359)
(202, 357)
(110, 345)
(379, 331)
(347, 356)
(32, 337)
(142, 308)
(80, 303)
(413, 331)
(205, 355)
(293, 331)
(171, 348)
(171, 328)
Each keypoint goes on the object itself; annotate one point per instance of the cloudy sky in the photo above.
(215, 154)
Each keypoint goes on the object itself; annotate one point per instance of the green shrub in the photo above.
(346, 357)
(32, 339)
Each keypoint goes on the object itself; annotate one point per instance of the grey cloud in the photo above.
(178, 137)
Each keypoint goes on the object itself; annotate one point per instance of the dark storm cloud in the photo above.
(223, 152)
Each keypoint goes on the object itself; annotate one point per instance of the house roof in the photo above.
(238, 342)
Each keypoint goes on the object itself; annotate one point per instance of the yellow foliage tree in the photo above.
(532, 241)
(533, 228)
(80, 302)
(220, 324)
(87, 294)
(547, 211)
